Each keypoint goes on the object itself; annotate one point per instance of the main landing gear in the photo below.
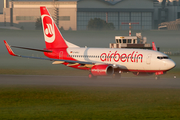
(117, 75)
(91, 76)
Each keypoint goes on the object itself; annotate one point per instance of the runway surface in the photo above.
(134, 82)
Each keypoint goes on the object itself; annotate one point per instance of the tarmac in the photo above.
(130, 82)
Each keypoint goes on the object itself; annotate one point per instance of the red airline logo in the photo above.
(48, 28)
(49, 31)
(133, 57)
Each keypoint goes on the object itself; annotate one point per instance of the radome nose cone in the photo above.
(172, 64)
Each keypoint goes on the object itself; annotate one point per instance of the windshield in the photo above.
(162, 57)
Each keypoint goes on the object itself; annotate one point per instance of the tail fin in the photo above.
(154, 46)
(52, 35)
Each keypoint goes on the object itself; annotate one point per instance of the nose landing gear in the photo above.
(158, 74)
(157, 77)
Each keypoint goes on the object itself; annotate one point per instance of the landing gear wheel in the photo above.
(91, 76)
(116, 76)
(157, 77)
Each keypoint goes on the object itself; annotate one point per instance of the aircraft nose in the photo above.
(171, 64)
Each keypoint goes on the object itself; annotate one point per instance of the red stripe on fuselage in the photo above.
(147, 71)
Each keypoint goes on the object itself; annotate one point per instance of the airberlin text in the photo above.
(131, 57)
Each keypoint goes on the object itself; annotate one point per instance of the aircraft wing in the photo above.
(32, 49)
(55, 61)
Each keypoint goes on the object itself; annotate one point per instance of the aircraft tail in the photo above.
(154, 46)
(52, 35)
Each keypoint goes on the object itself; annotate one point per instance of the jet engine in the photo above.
(102, 70)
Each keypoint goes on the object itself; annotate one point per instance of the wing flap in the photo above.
(58, 62)
(72, 64)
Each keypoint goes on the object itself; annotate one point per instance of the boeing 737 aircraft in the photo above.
(98, 61)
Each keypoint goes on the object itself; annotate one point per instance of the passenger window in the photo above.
(117, 41)
(124, 40)
(129, 40)
(134, 41)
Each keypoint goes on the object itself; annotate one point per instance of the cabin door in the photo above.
(148, 60)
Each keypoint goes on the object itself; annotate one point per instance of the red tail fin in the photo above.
(52, 35)
(154, 46)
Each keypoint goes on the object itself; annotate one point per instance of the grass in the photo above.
(88, 103)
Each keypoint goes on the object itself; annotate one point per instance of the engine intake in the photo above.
(102, 70)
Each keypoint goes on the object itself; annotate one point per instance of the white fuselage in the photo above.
(126, 59)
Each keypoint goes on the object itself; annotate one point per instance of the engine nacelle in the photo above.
(102, 70)
(142, 73)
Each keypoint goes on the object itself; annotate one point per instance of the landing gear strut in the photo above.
(158, 74)
(117, 75)
(157, 77)
(91, 76)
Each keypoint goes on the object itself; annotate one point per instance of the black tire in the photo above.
(91, 76)
(157, 77)
(116, 76)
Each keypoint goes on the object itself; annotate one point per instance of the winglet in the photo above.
(154, 46)
(9, 49)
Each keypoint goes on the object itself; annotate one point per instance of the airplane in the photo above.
(98, 61)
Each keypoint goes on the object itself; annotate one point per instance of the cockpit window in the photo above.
(162, 57)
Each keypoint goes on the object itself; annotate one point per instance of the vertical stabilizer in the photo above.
(52, 35)
(154, 46)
